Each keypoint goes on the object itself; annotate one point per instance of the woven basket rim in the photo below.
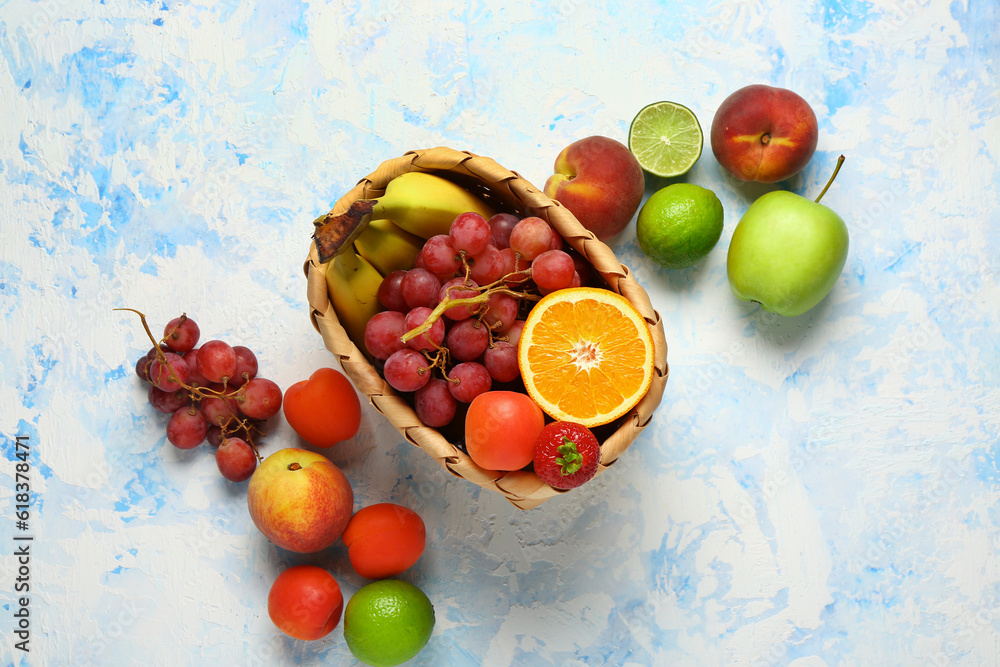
(522, 488)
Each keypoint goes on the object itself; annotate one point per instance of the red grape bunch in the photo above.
(451, 323)
(211, 392)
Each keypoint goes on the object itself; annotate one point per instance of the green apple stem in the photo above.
(840, 161)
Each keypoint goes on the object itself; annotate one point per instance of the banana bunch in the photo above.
(425, 204)
(388, 247)
(353, 285)
(416, 202)
(378, 236)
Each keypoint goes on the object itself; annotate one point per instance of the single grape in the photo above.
(514, 268)
(186, 428)
(219, 411)
(574, 282)
(406, 370)
(431, 339)
(382, 333)
(487, 266)
(556, 242)
(501, 311)
(440, 256)
(501, 362)
(467, 339)
(420, 287)
(246, 366)
(167, 402)
(236, 459)
(470, 233)
(259, 398)
(171, 375)
(460, 288)
(214, 436)
(552, 270)
(501, 226)
(468, 380)
(390, 292)
(531, 237)
(514, 333)
(181, 334)
(434, 404)
(142, 367)
(162, 347)
(583, 267)
(216, 361)
(194, 375)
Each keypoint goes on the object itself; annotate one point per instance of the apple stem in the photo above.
(294, 466)
(840, 161)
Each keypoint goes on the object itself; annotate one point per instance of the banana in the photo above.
(420, 203)
(353, 285)
(425, 204)
(388, 247)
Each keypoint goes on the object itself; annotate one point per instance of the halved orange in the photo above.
(586, 355)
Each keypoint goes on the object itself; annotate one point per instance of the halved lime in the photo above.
(666, 138)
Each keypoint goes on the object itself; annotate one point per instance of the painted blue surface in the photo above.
(820, 490)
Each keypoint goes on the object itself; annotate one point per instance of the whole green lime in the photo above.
(679, 225)
(387, 622)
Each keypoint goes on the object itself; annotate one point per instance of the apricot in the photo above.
(384, 540)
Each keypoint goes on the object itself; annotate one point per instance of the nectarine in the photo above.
(762, 133)
(600, 182)
(300, 500)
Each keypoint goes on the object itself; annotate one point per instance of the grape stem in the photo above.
(448, 302)
(198, 392)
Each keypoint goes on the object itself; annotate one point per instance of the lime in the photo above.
(666, 138)
(679, 225)
(387, 622)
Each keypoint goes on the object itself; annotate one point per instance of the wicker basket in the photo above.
(507, 191)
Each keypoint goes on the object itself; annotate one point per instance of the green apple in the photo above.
(787, 252)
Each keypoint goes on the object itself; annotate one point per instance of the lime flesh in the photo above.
(666, 139)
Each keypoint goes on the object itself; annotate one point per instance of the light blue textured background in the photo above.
(814, 491)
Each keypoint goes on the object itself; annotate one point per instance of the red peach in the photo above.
(762, 133)
(600, 182)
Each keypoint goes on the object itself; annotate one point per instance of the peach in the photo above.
(600, 182)
(300, 500)
(762, 133)
(305, 602)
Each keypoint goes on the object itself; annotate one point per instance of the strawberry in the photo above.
(566, 455)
